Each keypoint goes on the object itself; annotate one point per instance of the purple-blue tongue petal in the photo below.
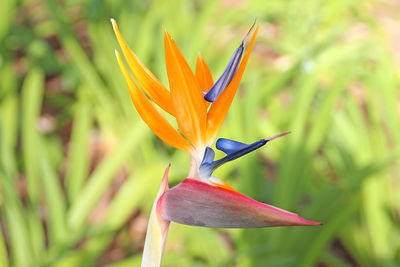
(223, 81)
(233, 150)
(209, 155)
(229, 146)
(226, 77)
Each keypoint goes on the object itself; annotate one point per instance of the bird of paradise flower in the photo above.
(200, 107)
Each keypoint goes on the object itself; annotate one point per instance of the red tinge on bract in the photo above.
(193, 202)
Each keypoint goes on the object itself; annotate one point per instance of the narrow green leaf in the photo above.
(8, 134)
(101, 178)
(55, 203)
(32, 93)
(13, 214)
(6, 16)
(129, 196)
(78, 156)
(4, 262)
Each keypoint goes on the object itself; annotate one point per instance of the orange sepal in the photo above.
(203, 74)
(220, 107)
(156, 122)
(190, 109)
(221, 184)
(204, 77)
(153, 88)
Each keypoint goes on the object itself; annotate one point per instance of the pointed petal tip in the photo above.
(164, 183)
(114, 25)
(204, 77)
(166, 33)
(304, 222)
(249, 32)
(277, 136)
(146, 80)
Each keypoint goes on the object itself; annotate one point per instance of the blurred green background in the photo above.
(79, 170)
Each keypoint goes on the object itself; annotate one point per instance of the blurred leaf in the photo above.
(19, 238)
(100, 179)
(56, 207)
(32, 93)
(4, 262)
(78, 155)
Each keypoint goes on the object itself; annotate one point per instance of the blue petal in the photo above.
(233, 150)
(224, 80)
(240, 152)
(229, 146)
(226, 77)
(209, 155)
(206, 166)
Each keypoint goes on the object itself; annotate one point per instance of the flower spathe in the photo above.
(199, 106)
(193, 202)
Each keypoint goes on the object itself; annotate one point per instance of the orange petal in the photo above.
(204, 77)
(147, 81)
(190, 110)
(220, 107)
(203, 74)
(156, 122)
(221, 184)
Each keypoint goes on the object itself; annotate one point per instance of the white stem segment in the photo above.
(157, 231)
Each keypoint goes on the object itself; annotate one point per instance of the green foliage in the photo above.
(79, 170)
